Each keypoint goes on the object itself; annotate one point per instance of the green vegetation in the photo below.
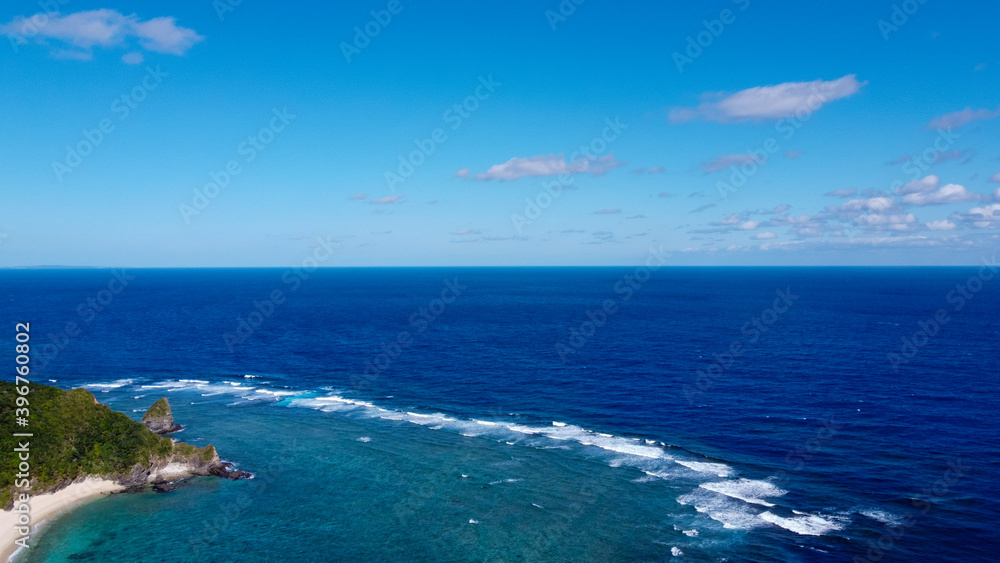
(187, 451)
(159, 409)
(75, 436)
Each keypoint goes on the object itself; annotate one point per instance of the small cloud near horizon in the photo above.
(928, 191)
(768, 102)
(727, 161)
(544, 165)
(844, 192)
(957, 119)
(387, 199)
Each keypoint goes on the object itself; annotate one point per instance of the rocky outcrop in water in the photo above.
(160, 419)
(84, 439)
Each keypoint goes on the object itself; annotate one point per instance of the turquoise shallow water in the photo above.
(346, 486)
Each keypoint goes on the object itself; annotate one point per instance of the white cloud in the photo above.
(960, 118)
(782, 220)
(765, 235)
(881, 221)
(951, 193)
(923, 185)
(82, 31)
(942, 225)
(995, 177)
(731, 219)
(133, 58)
(607, 212)
(845, 192)
(162, 35)
(748, 225)
(953, 155)
(986, 216)
(387, 199)
(727, 160)
(880, 203)
(769, 102)
(926, 191)
(548, 165)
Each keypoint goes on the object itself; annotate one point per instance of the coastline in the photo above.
(47, 505)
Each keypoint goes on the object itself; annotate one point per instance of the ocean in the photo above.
(538, 414)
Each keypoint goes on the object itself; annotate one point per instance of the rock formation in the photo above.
(87, 439)
(159, 419)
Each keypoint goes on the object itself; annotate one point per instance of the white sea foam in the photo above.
(327, 404)
(806, 525)
(676, 552)
(747, 490)
(730, 501)
(112, 385)
(720, 469)
(731, 514)
(880, 515)
(524, 429)
(364, 439)
(276, 393)
(476, 427)
(206, 388)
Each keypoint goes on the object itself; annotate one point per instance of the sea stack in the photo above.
(159, 419)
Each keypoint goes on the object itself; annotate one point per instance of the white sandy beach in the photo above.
(43, 507)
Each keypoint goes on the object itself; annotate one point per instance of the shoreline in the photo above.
(47, 505)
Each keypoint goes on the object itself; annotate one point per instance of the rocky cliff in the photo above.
(160, 419)
(75, 437)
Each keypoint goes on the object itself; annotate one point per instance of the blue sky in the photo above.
(726, 132)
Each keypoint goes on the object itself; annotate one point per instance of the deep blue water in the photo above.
(497, 434)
